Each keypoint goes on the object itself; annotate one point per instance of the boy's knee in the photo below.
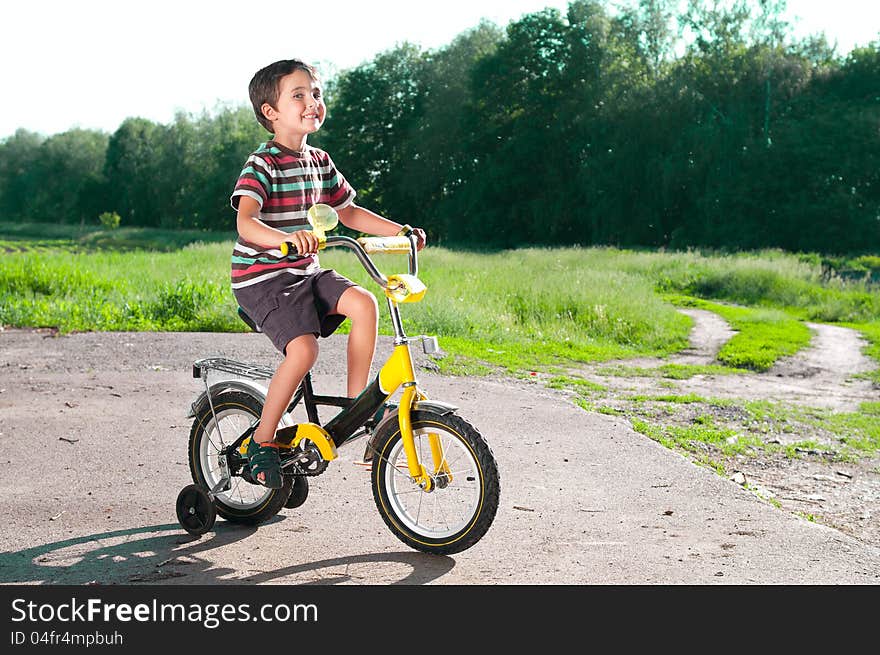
(360, 304)
(303, 348)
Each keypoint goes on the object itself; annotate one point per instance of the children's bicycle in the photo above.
(434, 478)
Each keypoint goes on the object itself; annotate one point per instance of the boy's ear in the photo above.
(268, 111)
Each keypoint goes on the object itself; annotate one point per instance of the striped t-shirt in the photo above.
(285, 183)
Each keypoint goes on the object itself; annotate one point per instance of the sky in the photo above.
(93, 63)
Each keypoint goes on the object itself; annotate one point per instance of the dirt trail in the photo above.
(821, 375)
(708, 336)
(820, 380)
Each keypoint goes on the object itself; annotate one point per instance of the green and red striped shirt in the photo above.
(286, 183)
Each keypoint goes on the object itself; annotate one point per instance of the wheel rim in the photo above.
(442, 512)
(241, 495)
(195, 511)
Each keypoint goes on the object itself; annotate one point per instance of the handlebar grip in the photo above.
(385, 244)
(287, 248)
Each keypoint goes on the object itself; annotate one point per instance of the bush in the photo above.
(110, 220)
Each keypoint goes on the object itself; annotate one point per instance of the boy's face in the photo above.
(300, 108)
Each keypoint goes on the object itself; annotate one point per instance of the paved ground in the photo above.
(94, 430)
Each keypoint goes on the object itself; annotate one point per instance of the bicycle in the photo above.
(434, 477)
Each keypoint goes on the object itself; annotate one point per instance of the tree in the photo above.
(131, 169)
(443, 163)
(19, 180)
(70, 170)
(373, 113)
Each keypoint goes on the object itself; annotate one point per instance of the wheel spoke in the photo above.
(455, 474)
(439, 510)
(233, 421)
(211, 441)
(453, 506)
(236, 489)
(415, 490)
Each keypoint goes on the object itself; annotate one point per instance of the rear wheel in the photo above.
(459, 505)
(243, 502)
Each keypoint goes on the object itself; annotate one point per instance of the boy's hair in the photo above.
(264, 86)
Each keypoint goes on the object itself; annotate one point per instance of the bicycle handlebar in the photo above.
(362, 256)
(398, 244)
(364, 246)
(390, 245)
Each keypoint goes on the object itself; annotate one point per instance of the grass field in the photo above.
(517, 310)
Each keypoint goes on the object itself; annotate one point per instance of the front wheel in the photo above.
(458, 506)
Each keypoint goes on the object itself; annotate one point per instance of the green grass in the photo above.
(578, 385)
(488, 313)
(857, 432)
(669, 371)
(689, 439)
(870, 408)
(534, 308)
(113, 290)
(688, 398)
(796, 283)
(514, 311)
(871, 332)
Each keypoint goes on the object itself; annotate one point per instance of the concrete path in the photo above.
(94, 434)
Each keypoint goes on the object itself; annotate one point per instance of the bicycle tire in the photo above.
(472, 493)
(243, 502)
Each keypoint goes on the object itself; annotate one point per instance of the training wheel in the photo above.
(299, 491)
(195, 510)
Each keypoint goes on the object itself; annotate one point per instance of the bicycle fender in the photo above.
(435, 406)
(255, 390)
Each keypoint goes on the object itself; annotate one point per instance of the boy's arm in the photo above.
(363, 220)
(252, 229)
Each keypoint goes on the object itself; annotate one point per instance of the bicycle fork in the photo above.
(398, 372)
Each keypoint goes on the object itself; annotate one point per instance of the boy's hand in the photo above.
(305, 242)
(418, 232)
(421, 237)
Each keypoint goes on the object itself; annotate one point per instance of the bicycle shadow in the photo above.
(166, 554)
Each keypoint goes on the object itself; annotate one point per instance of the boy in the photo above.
(294, 300)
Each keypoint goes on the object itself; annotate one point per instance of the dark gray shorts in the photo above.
(285, 309)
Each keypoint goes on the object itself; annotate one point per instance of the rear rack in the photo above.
(224, 365)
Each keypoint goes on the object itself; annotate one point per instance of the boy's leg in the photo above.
(300, 355)
(359, 305)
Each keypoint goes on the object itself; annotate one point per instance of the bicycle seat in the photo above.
(247, 319)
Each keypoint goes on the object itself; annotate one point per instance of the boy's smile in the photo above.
(300, 109)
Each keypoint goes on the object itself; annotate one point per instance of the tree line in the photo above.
(646, 126)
